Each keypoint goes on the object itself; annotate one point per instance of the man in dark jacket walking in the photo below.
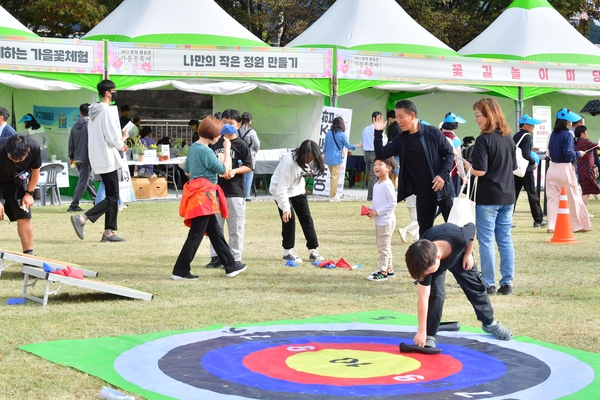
(426, 159)
(78, 154)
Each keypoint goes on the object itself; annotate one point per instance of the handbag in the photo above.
(522, 162)
(463, 208)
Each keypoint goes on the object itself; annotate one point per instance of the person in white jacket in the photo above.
(288, 189)
(105, 140)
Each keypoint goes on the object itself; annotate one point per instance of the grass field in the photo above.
(556, 290)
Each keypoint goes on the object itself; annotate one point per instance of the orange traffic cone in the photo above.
(563, 231)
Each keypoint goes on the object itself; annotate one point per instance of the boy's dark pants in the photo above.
(471, 283)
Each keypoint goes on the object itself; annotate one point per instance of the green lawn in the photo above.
(556, 295)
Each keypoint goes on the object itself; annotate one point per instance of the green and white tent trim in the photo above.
(532, 30)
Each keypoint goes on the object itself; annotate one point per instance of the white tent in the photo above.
(285, 111)
(532, 30)
(10, 26)
(372, 24)
(181, 21)
(384, 26)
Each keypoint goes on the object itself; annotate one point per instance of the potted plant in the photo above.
(138, 149)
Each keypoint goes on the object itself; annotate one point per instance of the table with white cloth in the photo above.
(170, 168)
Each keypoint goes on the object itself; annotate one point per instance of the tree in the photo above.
(59, 18)
(269, 19)
(457, 22)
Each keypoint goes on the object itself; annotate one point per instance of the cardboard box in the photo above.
(141, 188)
(148, 188)
(158, 187)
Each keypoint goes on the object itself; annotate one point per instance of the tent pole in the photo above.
(12, 106)
(334, 91)
(519, 106)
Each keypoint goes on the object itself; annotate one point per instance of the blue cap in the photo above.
(526, 119)
(454, 118)
(423, 122)
(228, 129)
(568, 115)
(26, 118)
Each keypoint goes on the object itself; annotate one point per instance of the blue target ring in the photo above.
(478, 368)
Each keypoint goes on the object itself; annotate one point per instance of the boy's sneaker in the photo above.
(292, 257)
(315, 256)
(491, 290)
(378, 276)
(430, 341)
(391, 274)
(187, 277)
(498, 331)
(239, 268)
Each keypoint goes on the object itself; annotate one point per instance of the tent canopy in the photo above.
(10, 26)
(532, 30)
(352, 24)
(183, 22)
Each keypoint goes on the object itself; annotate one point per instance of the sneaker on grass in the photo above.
(378, 276)
(239, 268)
(188, 277)
(291, 257)
(315, 256)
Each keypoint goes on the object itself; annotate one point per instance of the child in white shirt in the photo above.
(382, 212)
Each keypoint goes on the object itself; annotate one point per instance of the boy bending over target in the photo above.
(441, 248)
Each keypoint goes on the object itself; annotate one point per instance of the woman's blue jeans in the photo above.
(495, 221)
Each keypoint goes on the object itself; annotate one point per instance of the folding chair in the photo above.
(51, 171)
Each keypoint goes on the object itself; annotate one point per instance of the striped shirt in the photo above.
(203, 162)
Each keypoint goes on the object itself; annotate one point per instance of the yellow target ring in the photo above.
(351, 363)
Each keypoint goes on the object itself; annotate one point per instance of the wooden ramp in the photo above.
(8, 258)
(32, 269)
(36, 274)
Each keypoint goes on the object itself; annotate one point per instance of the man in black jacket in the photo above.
(426, 159)
(523, 140)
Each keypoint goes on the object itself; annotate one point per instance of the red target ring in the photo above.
(275, 363)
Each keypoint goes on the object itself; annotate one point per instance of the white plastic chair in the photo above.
(51, 171)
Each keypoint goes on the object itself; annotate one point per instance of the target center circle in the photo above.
(340, 363)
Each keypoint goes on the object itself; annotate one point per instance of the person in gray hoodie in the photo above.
(78, 154)
(105, 140)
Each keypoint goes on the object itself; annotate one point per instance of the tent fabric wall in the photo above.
(281, 121)
(362, 104)
(558, 100)
(431, 108)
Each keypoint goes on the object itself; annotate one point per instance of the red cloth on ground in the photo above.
(343, 264)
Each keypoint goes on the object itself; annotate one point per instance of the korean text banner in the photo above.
(51, 55)
(197, 61)
(322, 183)
(396, 67)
